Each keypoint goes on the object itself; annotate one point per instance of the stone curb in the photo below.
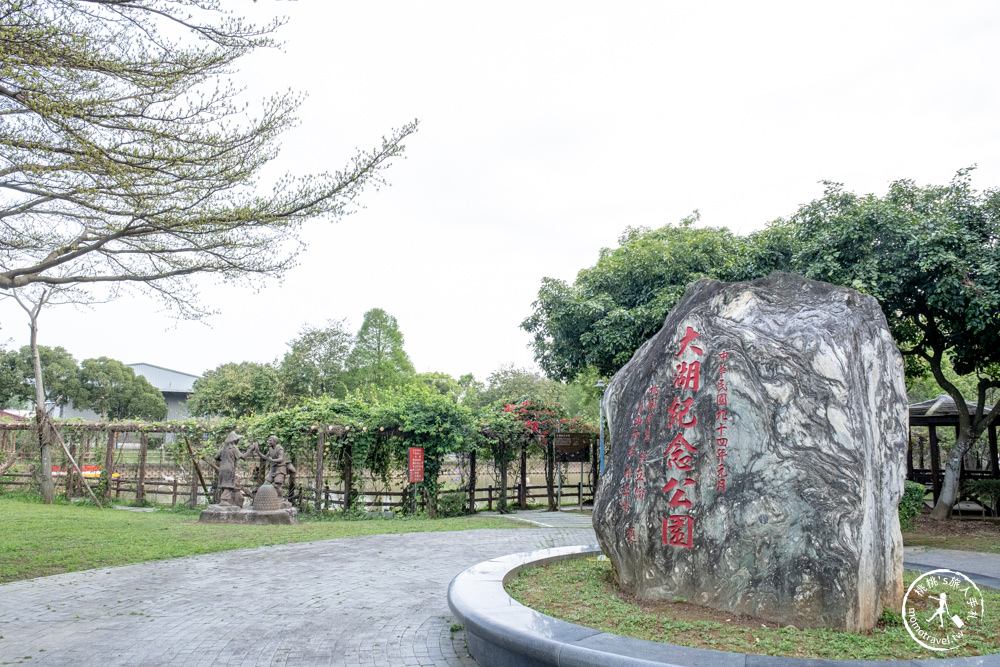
(501, 631)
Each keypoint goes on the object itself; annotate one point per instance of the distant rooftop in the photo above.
(165, 379)
(4, 414)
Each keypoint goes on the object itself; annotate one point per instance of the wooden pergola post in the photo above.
(472, 482)
(348, 474)
(320, 444)
(909, 457)
(140, 490)
(994, 464)
(522, 490)
(935, 462)
(109, 463)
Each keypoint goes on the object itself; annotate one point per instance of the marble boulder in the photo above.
(757, 456)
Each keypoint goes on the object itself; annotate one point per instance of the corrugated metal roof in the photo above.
(165, 379)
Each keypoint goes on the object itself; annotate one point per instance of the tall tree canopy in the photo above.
(508, 384)
(614, 306)
(127, 159)
(14, 389)
(378, 358)
(114, 391)
(124, 155)
(60, 374)
(931, 257)
(236, 390)
(314, 364)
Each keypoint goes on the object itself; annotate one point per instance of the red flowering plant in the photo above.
(542, 422)
(545, 421)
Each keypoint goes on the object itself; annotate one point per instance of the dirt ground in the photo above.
(968, 534)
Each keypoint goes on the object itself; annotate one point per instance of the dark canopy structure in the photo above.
(942, 411)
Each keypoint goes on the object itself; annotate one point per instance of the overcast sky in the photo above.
(547, 128)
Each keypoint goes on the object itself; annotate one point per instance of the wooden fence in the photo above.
(140, 480)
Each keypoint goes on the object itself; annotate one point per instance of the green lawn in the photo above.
(583, 591)
(38, 540)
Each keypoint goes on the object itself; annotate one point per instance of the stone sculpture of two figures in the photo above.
(279, 467)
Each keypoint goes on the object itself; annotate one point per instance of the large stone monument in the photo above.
(757, 456)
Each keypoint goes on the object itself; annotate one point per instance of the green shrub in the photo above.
(912, 501)
(452, 504)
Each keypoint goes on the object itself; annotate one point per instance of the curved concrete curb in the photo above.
(501, 631)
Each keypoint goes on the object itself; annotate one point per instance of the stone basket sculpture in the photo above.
(757, 456)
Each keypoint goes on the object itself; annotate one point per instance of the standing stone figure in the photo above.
(227, 457)
(280, 466)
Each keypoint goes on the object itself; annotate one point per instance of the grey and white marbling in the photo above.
(805, 530)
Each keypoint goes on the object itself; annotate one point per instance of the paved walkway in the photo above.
(375, 600)
(545, 519)
(986, 566)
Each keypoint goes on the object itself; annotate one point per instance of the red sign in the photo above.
(416, 464)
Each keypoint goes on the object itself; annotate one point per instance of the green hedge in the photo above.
(911, 502)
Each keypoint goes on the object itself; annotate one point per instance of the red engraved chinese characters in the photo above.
(689, 336)
(680, 453)
(688, 376)
(678, 499)
(722, 403)
(633, 484)
(678, 410)
(678, 530)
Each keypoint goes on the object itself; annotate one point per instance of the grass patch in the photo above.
(38, 540)
(583, 591)
(960, 534)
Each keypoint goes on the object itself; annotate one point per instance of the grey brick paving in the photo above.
(962, 561)
(375, 600)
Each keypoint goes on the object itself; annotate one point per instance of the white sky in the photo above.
(546, 129)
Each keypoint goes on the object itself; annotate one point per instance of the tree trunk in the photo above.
(952, 473)
(320, 444)
(994, 462)
(550, 471)
(523, 490)
(44, 437)
(502, 502)
(140, 485)
(472, 482)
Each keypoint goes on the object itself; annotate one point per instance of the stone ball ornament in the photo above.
(757, 447)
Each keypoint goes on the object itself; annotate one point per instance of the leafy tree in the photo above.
(443, 384)
(613, 307)
(14, 388)
(438, 424)
(471, 388)
(314, 364)
(236, 390)
(503, 436)
(583, 397)
(114, 391)
(921, 385)
(60, 374)
(508, 384)
(127, 160)
(378, 359)
(931, 257)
